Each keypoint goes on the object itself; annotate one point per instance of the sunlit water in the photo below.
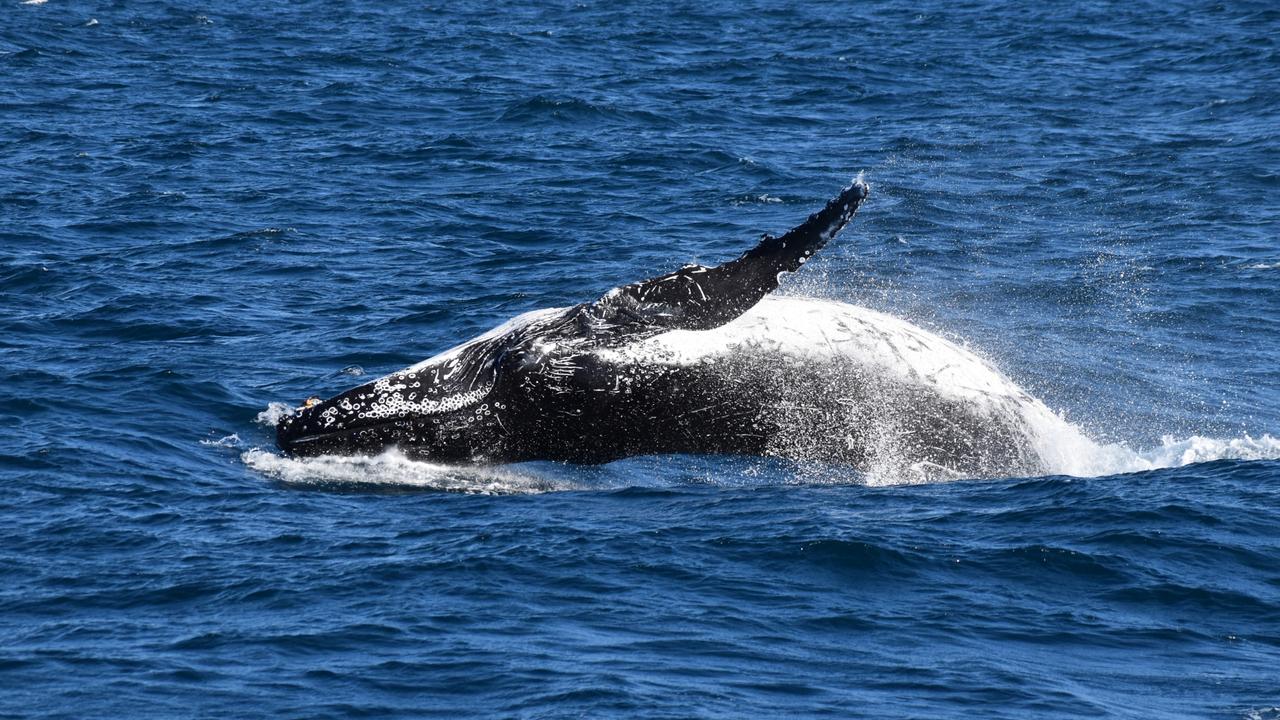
(209, 213)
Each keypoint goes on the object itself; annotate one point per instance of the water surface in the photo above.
(208, 208)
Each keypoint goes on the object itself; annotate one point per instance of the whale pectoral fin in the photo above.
(787, 253)
(700, 298)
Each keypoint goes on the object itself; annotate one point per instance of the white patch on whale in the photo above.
(393, 396)
(518, 322)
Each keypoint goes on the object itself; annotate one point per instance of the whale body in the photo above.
(703, 360)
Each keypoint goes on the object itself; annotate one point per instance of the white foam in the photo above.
(1197, 449)
(230, 441)
(392, 469)
(1174, 452)
(1067, 450)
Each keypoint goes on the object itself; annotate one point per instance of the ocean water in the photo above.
(211, 210)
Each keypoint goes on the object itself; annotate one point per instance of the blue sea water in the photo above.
(210, 207)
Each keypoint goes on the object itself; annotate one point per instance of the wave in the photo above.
(1067, 450)
(541, 108)
(1116, 459)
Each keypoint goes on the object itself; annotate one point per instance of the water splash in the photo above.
(1174, 452)
(275, 412)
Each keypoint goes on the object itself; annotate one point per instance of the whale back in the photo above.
(837, 381)
(812, 329)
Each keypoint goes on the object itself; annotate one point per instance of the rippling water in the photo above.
(210, 208)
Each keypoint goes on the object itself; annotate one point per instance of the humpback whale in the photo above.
(702, 360)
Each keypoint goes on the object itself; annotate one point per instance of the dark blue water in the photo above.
(207, 208)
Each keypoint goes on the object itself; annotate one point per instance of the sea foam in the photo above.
(392, 469)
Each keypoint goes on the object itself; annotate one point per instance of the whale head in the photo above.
(406, 410)
(444, 408)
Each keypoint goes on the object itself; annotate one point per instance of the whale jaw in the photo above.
(294, 439)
